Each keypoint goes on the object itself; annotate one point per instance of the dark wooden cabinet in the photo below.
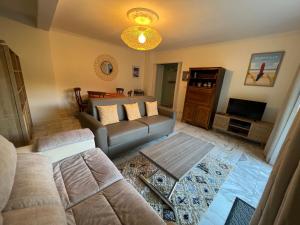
(188, 112)
(201, 116)
(15, 118)
(202, 95)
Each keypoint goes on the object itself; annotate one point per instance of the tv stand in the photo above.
(258, 131)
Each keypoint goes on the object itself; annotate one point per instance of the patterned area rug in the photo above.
(193, 194)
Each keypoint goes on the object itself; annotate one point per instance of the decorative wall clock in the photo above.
(106, 67)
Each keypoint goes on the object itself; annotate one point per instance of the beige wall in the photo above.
(73, 59)
(32, 46)
(235, 56)
(55, 62)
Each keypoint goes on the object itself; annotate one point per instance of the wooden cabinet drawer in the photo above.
(260, 129)
(260, 132)
(202, 116)
(198, 90)
(221, 122)
(204, 99)
(196, 114)
(258, 137)
(201, 97)
(188, 112)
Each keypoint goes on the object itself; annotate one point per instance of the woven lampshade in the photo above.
(141, 37)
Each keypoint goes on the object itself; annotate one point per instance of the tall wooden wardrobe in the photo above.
(15, 118)
(202, 95)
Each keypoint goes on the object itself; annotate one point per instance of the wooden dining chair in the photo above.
(82, 106)
(129, 93)
(120, 90)
(96, 94)
(138, 92)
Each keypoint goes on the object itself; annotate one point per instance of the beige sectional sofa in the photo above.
(80, 187)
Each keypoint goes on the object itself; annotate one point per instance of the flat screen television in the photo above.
(245, 108)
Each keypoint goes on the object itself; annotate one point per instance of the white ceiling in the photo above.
(182, 22)
(24, 11)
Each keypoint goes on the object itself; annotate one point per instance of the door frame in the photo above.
(177, 85)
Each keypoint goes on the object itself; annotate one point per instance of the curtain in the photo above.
(280, 203)
(283, 122)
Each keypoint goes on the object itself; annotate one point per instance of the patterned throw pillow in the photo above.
(132, 111)
(151, 108)
(108, 114)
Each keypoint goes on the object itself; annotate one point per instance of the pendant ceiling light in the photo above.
(141, 37)
(142, 16)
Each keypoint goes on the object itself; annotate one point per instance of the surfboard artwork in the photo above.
(263, 69)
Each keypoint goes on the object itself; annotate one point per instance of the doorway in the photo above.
(165, 85)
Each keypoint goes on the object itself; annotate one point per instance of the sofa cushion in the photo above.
(157, 124)
(151, 108)
(94, 102)
(141, 102)
(63, 138)
(125, 131)
(108, 114)
(118, 204)
(41, 215)
(8, 161)
(34, 184)
(93, 210)
(132, 111)
(81, 176)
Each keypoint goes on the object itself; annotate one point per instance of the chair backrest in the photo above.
(77, 95)
(120, 90)
(129, 93)
(138, 92)
(96, 94)
(94, 102)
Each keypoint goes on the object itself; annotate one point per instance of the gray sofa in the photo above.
(122, 136)
(80, 187)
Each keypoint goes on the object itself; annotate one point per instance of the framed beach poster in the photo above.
(263, 69)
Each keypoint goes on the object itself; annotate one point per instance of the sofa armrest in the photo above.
(65, 144)
(26, 149)
(166, 112)
(99, 130)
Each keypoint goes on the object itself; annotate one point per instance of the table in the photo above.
(176, 156)
(95, 94)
